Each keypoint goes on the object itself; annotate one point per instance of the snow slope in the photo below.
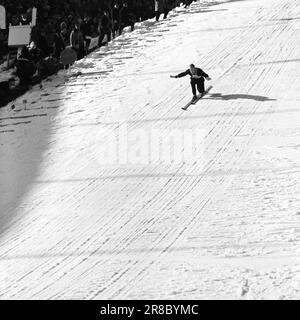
(225, 227)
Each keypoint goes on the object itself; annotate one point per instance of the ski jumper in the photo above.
(197, 79)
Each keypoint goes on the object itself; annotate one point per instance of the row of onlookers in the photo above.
(73, 24)
(76, 22)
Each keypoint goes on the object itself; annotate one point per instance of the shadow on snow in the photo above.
(220, 96)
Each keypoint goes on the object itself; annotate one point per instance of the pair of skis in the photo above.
(199, 97)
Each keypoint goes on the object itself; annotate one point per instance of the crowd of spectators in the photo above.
(74, 23)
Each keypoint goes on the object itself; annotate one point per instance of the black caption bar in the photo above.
(119, 310)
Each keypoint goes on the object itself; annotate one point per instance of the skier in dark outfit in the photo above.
(198, 77)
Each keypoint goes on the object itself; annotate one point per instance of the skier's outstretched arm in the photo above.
(182, 74)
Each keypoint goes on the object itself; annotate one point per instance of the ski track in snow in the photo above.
(74, 229)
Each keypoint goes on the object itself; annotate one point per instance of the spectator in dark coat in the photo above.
(125, 18)
(115, 19)
(77, 41)
(87, 30)
(25, 68)
(167, 7)
(105, 27)
(60, 41)
(86, 26)
(159, 8)
(1, 45)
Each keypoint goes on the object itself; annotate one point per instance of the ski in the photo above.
(199, 97)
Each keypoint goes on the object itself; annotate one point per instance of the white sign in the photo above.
(34, 14)
(19, 36)
(2, 18)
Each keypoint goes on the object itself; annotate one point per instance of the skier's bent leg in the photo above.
(193, 84)
(200, 86)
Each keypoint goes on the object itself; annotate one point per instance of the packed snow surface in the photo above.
(225, 227)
